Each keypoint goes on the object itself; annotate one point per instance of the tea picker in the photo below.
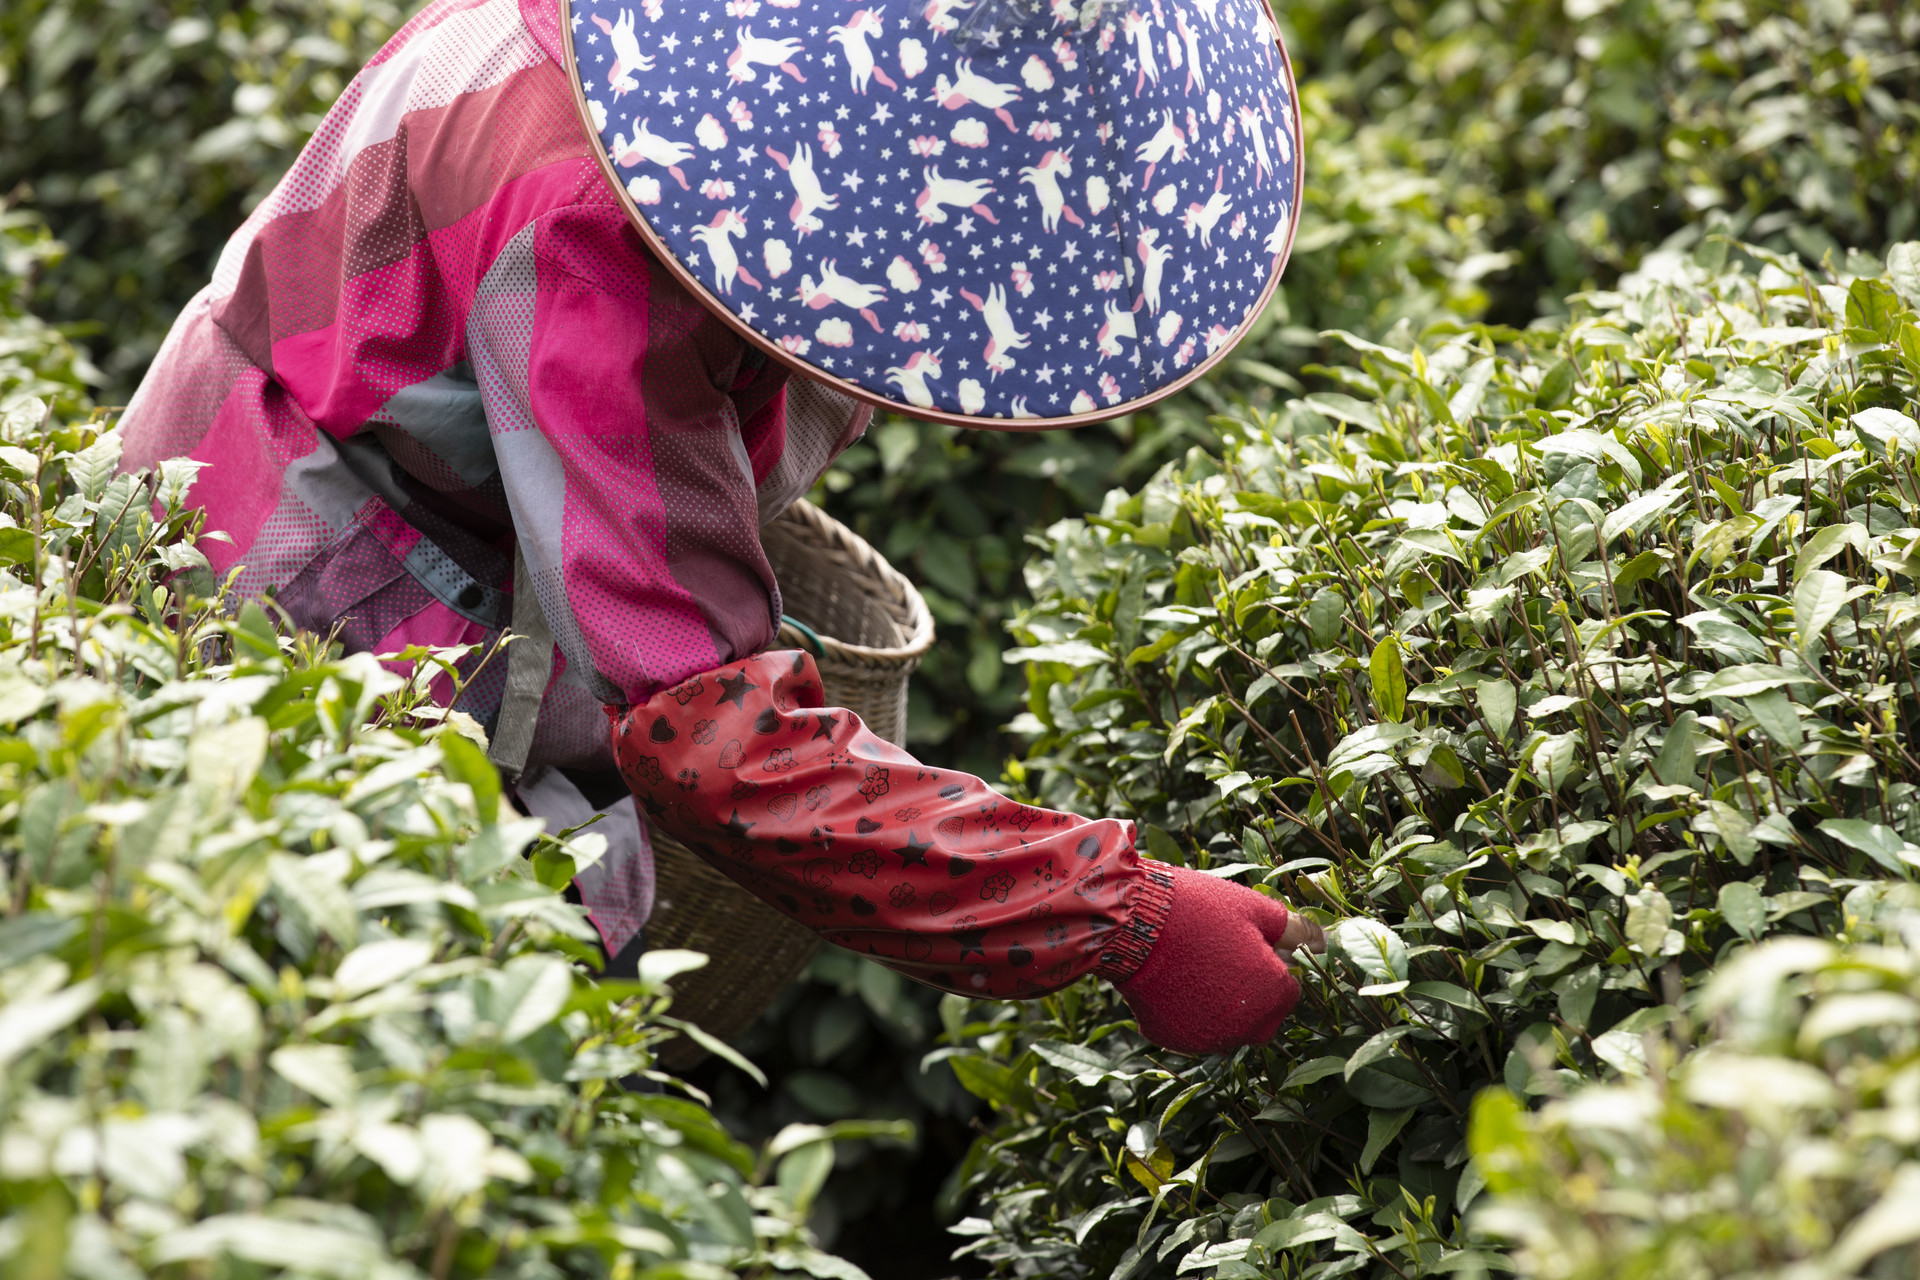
(567, 300)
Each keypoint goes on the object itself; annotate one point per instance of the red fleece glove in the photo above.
(1213, 980)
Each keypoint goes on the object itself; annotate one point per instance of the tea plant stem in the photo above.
(446, 1236)
(1320, 780)
(1280, 1163)
(39, 532)
(1660, 678)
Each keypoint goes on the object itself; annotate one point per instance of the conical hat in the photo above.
(995, 210)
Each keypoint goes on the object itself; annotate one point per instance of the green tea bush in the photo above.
(1785, 1146)
(847, 1043)
(36, 359)
(286, 987)
(1574, 136)
(1475, 159)
(1546, 667)
(144, 130)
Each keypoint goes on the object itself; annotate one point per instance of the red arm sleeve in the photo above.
(929, 871)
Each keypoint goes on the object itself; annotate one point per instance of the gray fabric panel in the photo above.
(818, 418)
(326, 484)
(529, 669)
(447, 415)
(499, 342)
(372, 467)
(535, 480)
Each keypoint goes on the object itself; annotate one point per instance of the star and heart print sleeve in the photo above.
(933, 873)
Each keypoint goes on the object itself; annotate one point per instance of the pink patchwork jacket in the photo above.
(436, 378)
(440, 328)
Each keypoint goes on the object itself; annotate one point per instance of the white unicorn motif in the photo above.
(1139, 29)
(939, 14)
(626, 52)
(969, 89)
(1250, 125)
(1264, 32)
(1002, 337)
(1154, 256)
(1044, 178)
(755, 51)
(961, 193)
(647, 145)
(846, 291)
(1201, 219)
(1212, 9)
(717, 239)
(1283, 134)
(1119, 325)
(1191, 39)
(808, 195)
(912, 377)
(1276, 242)
(1166, 139)
(853, 39)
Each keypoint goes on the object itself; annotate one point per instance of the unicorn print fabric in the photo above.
(988, 210)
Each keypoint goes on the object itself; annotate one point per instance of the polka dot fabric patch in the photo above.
(1004, 209)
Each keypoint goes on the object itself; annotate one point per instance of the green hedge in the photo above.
(144, 130)
(1547, 668)
(286, 987)
(1786, 1145)
(37, 360)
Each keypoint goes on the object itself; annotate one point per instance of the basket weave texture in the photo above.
(872, 628)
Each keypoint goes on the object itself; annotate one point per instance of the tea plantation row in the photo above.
(285, 986)
(1553, 670)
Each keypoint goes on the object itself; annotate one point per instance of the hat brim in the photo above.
(678, 237)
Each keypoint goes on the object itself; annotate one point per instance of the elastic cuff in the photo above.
(1128, 946)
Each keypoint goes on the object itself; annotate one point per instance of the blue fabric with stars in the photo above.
(998, 209)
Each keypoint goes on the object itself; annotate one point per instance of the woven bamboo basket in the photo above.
(867, 628)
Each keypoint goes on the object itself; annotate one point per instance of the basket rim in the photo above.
(876, 567)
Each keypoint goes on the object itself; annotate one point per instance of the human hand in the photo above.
(1300, 933)
(1217, 976)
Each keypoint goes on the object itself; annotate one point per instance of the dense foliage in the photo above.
(1788, 1139)
(145, 129)
(1548, 668)
(36, 359)
(847, 1042)
(285, 985)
